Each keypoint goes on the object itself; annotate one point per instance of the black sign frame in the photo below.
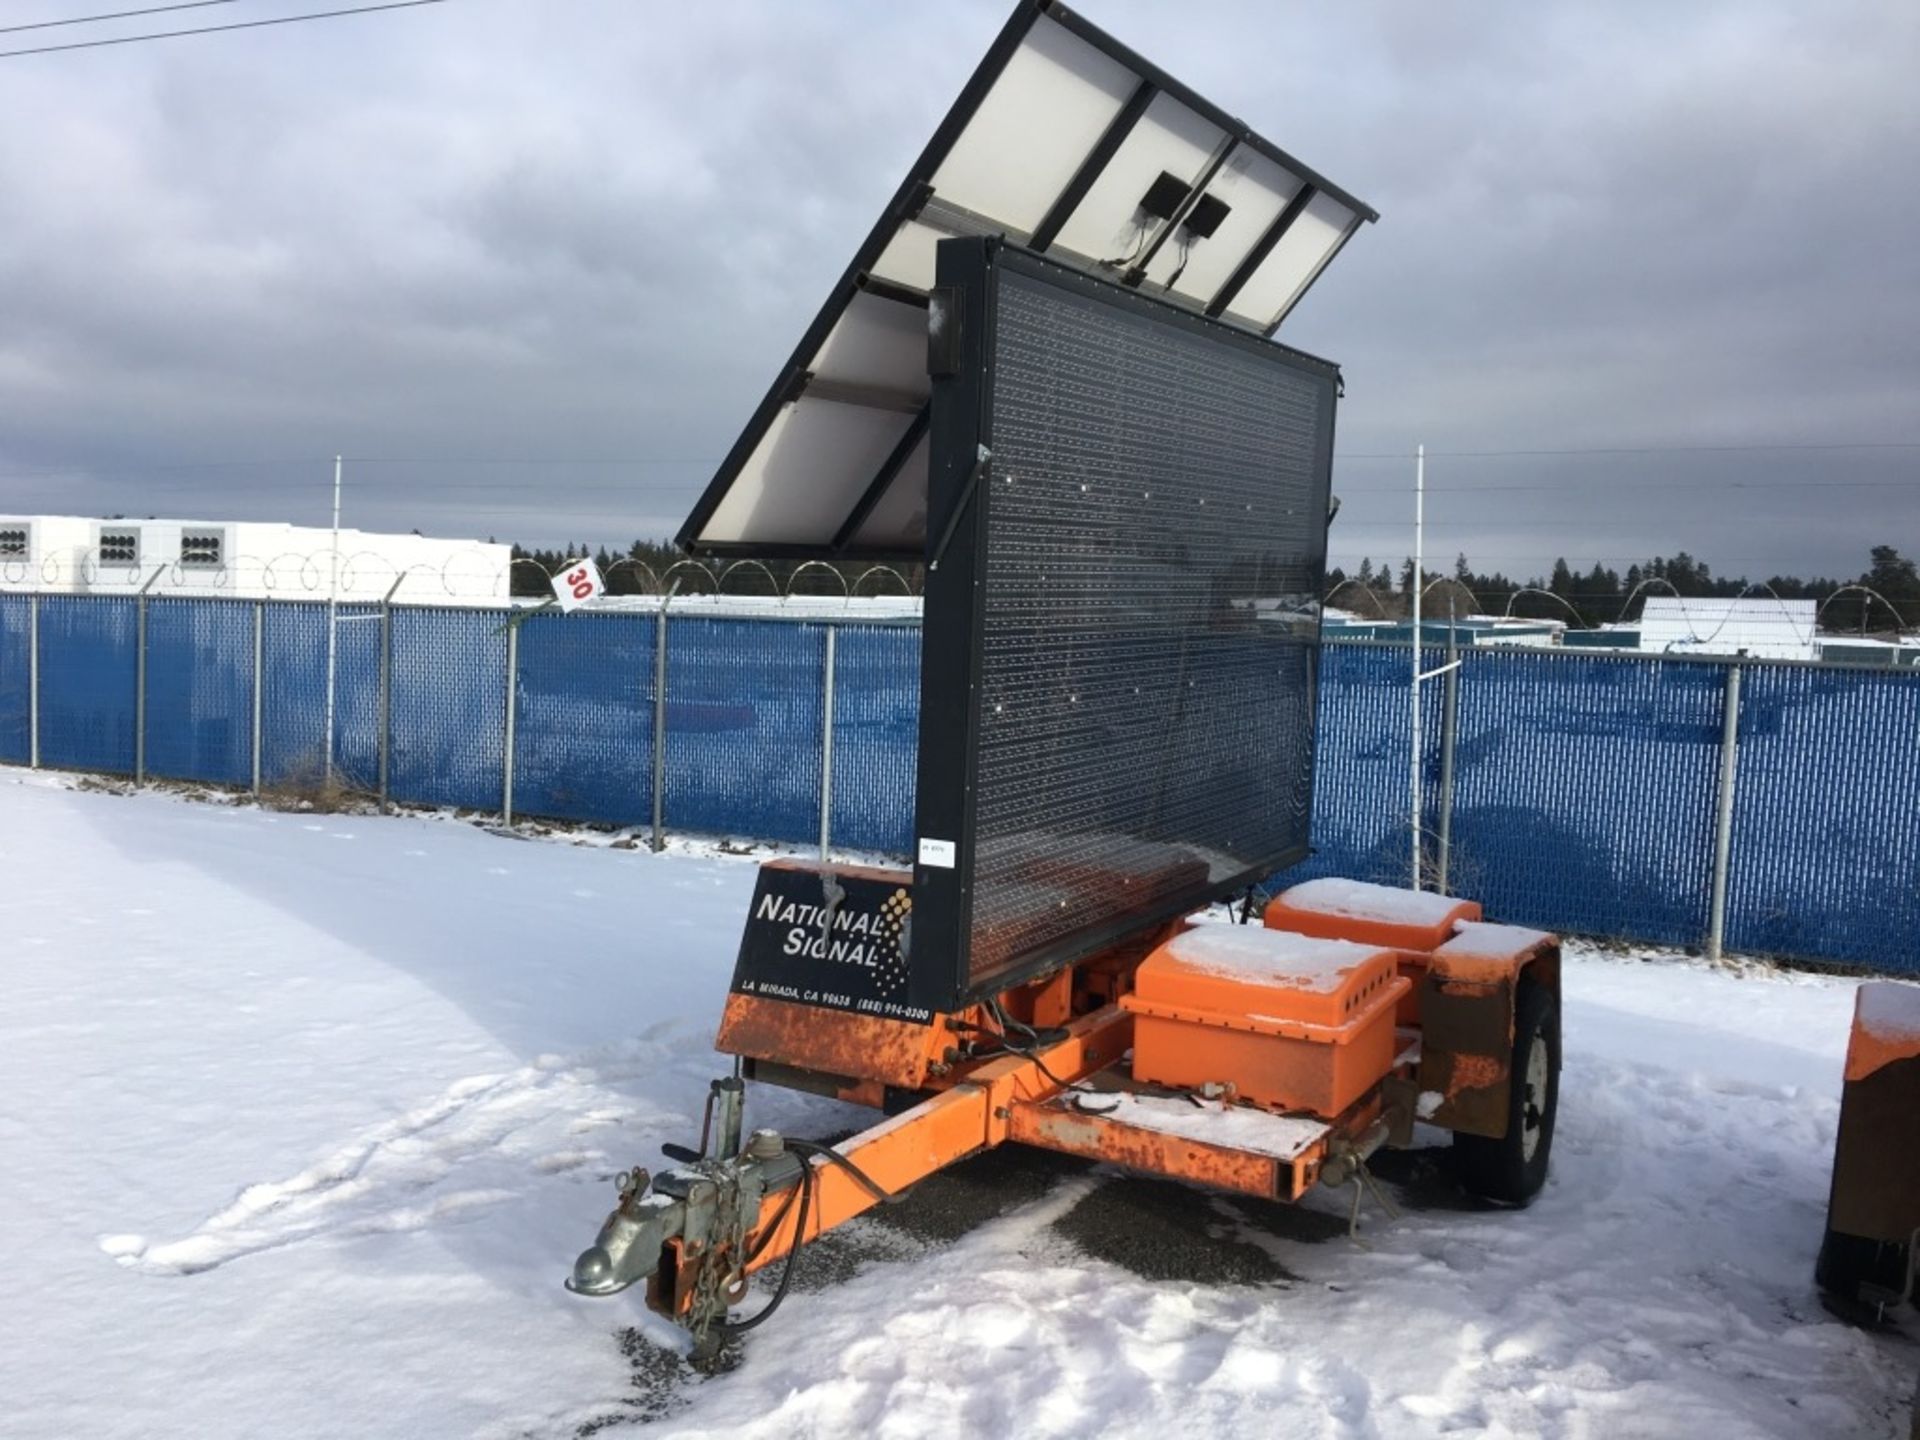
(963, 318)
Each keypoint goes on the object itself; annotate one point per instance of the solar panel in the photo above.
(1121, 638)
(1072, 146)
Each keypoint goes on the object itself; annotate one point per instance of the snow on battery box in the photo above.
(1299, 1023)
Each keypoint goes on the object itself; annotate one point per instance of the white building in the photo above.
(73, 555)
(1761, 627)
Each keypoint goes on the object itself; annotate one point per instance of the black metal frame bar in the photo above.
(1263, 247)
(1098, 158)
(1300, 291)
(954, 624)
(883, 477)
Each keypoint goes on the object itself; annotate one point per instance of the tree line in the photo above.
(1603, 595)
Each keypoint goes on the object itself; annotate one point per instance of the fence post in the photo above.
(826, 749)
(1723, 816)
(660, 727)
(33, 681)
(506, 756)
(259, 684)
(1449, 728)
(386, 689)
(140, 681)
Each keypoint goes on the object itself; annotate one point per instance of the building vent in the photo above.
(201, 549)
(119, 547)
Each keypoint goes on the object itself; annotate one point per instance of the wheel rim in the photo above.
(1534, 1101)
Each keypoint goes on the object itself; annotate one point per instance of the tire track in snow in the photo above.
(430, 1165)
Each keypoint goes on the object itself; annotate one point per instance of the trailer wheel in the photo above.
(1849, 1262)
(1512, 1169)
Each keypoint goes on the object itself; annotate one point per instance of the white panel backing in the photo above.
(1294, 261)
(877, 342)
(908, 258)
(899, 520)
(1169, 137)
(807, 474)
(1052, 103)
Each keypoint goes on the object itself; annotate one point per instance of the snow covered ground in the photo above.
(303, 1119)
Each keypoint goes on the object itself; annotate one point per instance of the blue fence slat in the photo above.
(200, 690)
(744, 720)
(1826, 821)
(87, 682)
(876, 736)
(1360, 795)
(356, 698)
(449, 706)
(583, 718)
(293, 694)
(1584, 792)
(16, 725)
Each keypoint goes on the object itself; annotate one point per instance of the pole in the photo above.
(1449, 730)
(1419, 561)
(259, 678)
(660, 724)
(140, 681)
(826, 750)
(333, 608)
(1723, 817)
(506, 756)
(33, 681)
(386, 687)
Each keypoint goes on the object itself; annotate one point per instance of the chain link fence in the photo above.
(1763, 807)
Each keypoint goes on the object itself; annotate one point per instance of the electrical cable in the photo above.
(1028, 1051)
(740, 1327)
(804, 1149)
(216, 29)
(864, 1180)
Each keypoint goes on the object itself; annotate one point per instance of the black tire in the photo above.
(1513, 1168)
(1849, 1261)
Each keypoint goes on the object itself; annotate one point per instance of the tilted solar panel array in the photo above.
(1071, 145)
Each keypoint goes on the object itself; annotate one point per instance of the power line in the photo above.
(1676, 487)
(116, 15)
(174, 472)
(1635, 450)
(216, 29)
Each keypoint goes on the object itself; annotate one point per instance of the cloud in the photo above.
(487, 232)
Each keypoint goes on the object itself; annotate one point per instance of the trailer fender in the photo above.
(1467, 999)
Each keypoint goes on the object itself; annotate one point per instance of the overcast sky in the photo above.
(532, 264)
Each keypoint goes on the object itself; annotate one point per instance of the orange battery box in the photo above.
(1289, 1021)
(1413, 923)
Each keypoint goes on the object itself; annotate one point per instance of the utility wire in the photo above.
(116, 15)
(1635, 450)
(184, 473)
(216, 29)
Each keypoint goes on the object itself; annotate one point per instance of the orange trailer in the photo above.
(1259, 1058)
